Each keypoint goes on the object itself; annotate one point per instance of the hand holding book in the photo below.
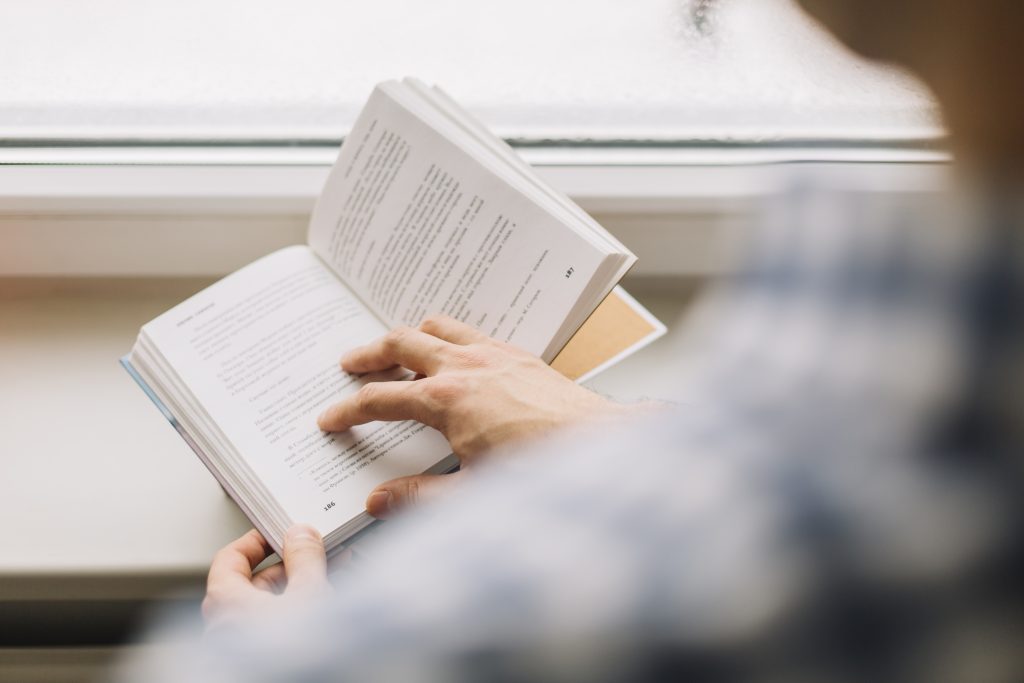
(479, 392)
(237, 595)
(424, 214)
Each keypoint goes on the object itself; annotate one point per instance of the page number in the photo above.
(328, 506)
(568, 273)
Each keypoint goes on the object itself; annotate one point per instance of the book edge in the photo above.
(203, 457)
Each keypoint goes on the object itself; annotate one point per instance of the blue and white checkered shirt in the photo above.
(837, 495)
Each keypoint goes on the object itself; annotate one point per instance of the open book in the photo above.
(424, 213)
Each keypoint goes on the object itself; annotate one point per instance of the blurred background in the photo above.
(565, 71)
(148, 147)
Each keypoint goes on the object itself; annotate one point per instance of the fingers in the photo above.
(234, 562)
(305, 561)
(451, 330)
(393, 496)
(377, 401)
(421, 350)
(272, 579)
(410, 348)
(440, 340)
(234, 593)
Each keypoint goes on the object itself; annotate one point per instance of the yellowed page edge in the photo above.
(618, 327)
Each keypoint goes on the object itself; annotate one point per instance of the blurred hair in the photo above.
(970, 53)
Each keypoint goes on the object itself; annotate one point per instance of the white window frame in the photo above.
(205, 211)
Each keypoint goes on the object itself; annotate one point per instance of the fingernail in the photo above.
(379, 501)
(301, 532)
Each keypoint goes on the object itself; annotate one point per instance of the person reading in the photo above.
(838, 497)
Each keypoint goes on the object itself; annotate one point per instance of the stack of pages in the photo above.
(424, 212)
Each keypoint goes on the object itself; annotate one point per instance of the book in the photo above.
(424, 212)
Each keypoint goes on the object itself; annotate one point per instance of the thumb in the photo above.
(305, 561)
(393, 496)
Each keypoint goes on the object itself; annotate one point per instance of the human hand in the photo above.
(234, 594)
(478, 392)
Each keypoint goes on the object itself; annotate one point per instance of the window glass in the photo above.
(663, 71)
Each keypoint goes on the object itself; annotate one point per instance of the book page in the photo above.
(259, 350)
(417, 226)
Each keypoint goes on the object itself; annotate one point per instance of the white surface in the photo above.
(99, 496)
(95, 482)
(569, 69)
(211, 220)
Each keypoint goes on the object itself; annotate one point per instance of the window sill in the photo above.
(169, 214)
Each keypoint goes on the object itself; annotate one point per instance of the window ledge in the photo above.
(170, 215)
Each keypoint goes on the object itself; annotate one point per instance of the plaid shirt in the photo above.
(835, 496)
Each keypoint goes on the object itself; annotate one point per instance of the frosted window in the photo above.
(566, 70)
